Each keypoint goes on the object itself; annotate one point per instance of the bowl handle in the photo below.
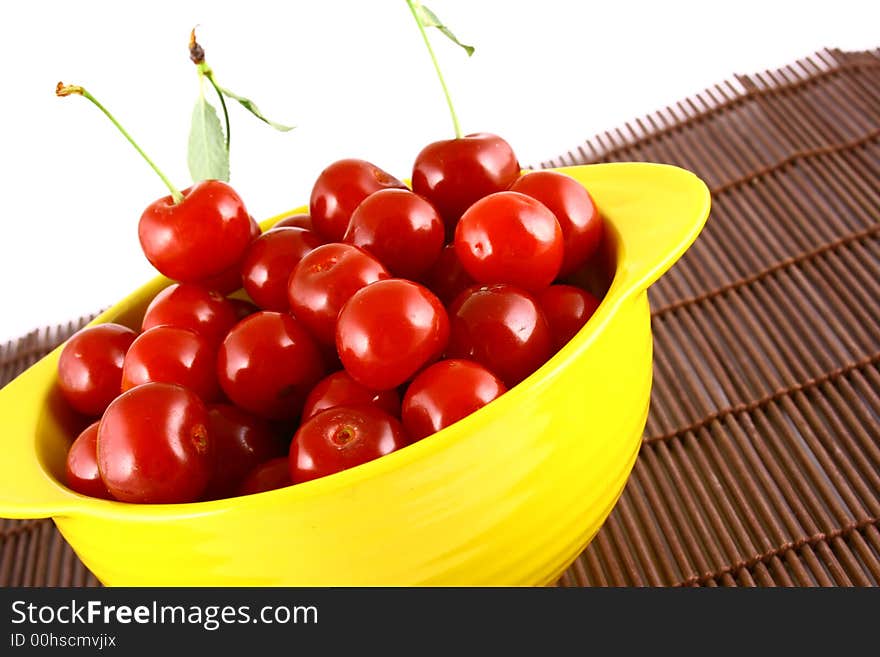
(27, 489)
(655, 210)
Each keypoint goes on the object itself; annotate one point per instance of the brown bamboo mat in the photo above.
(761, 458)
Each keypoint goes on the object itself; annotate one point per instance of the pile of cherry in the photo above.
(335, 337)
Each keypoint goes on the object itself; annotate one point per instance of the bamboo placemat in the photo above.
(761, 458)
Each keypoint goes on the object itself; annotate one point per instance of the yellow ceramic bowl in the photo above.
(510, 495)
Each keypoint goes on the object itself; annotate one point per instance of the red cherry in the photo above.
(90, 366)
(444, 393)
(270, 475)
(229, 280)
(403, 231)
(193, 307)
(172, 355)
(567, 309)
(269, 261)
(295, 221)
(341, 438)
(324, 280)
(339, 389)
(447, 278)
(267, 365)
(453, 174)
(509, 237)
(154, 446)
(388, 331)
(339, 189)
(573, 207)
(204, 234)
(241, 442)
(82, 465)
(502, 328)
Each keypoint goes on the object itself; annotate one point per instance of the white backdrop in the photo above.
(356, 80)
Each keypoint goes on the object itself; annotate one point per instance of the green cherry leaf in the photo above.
(208, 158)
(251, 107)
(429, 19)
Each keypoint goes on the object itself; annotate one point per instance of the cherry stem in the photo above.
(455, 124)
(197, 55)
(210, 75)
(69, 89)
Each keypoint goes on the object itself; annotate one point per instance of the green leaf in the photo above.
(429, 19)
(207, 157)
(251, 107)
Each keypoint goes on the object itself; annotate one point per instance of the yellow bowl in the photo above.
(510, 495)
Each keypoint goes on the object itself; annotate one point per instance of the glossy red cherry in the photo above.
(339, 389)
(341, 438)
(172, 355)
(154, 446)
(339, 189)
(229, 280)
(573, 207)
(267, 365)
(82, 465)
(390, 330)
(199, 237)
(444, 393)
(567, 309)
(447, 278)
(453, 174)
(324, 280)
(301, 220)
(90, 366)
(241, 442)
(271, 475)
(509, 237)
(269, 261)
(402, 230)
(191, 306)
(502, 328)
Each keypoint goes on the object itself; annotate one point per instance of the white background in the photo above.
(356, 80)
